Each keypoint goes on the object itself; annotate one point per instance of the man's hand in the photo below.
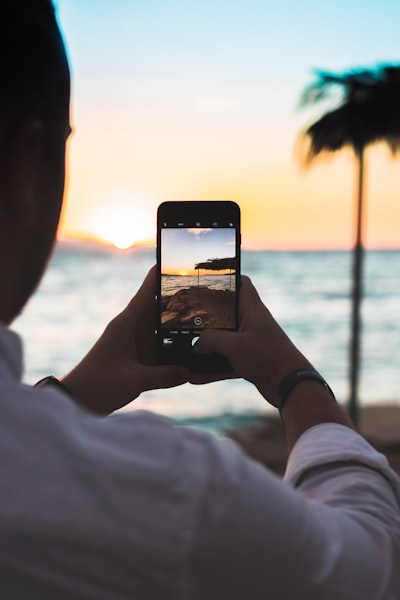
(121, 364)
(263, 354)
(260, 351)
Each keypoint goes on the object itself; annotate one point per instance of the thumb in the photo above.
(145, 295)
(217, 340)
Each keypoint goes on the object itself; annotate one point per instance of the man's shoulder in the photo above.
(137, 456)
(131, 483)
(133, 459)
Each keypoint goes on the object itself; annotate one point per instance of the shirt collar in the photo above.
(10, 355)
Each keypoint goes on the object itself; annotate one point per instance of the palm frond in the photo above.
(365, 110)
(321, 89)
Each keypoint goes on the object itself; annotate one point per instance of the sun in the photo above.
(183, 273)
(122, 232)
(122, 240)
(119, 234)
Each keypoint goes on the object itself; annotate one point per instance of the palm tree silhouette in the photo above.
(362, 107)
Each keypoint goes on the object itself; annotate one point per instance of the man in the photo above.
(128, 506)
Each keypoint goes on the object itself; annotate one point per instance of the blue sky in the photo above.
(183, 248)
(216, 44)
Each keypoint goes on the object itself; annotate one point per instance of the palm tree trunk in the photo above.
(358, 252)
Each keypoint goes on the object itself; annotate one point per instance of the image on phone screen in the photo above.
(198, 285)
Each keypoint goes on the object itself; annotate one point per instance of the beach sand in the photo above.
(214, 308)
(265, 442)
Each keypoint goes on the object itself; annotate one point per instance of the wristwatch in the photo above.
(291, 380)
(53, 381)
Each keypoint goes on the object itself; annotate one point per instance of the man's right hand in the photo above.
(263, 354)
(259, 351)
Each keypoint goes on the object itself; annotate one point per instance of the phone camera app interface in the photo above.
(198, 282)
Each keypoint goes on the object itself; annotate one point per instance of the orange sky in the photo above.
(282, 205)
(158, 115)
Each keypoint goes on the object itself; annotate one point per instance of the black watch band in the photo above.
(53, 381)
(291, 380)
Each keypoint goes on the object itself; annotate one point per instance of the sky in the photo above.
(176, 100)
(182, 249)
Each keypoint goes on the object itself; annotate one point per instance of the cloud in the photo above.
(198, 231)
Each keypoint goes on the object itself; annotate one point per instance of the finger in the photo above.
(141, 309)
(202, 378)
(146, 291)
(161, 377)
(248, 296)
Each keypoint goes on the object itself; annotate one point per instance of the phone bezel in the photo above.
(189, 213)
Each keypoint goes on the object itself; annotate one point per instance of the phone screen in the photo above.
(198, 256)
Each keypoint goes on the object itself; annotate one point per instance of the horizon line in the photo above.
(281, 247)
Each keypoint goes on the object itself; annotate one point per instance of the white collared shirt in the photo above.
(130, 506)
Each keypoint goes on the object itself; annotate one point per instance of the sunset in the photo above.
(199, 312)
(188, 101)
(183, 250)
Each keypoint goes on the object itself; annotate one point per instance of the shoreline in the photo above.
(265, 441)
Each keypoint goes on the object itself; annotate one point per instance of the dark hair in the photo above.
(34, 78)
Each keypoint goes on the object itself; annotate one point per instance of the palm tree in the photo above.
(217, 264)
(363, 108)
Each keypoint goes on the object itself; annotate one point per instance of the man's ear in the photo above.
(24, 172)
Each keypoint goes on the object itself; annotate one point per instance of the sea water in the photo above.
(173, 283)
(308, 292)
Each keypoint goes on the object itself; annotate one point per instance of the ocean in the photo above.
(308, 292)
(173, 283)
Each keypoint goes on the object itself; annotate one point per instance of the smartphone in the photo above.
(198, 278)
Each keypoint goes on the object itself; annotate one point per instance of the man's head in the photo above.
(34, 126)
